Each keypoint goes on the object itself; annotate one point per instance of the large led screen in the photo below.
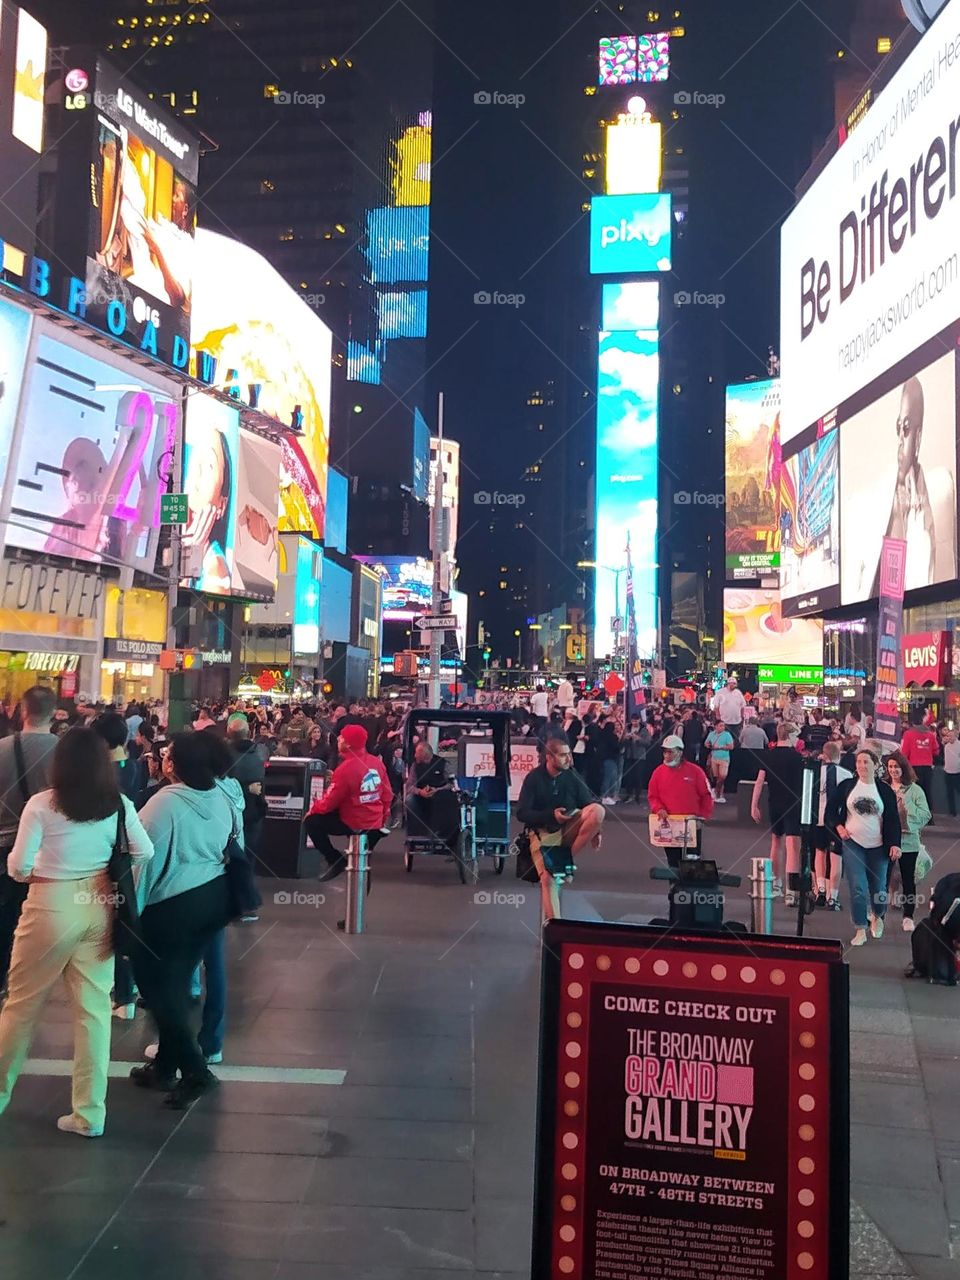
(211, 482)
(407, 585)
(411, 163)
(870, 268)
(143, 214)
(338, 507)
(23, 50)
(31, 64)
(810, 527)
(898, 475)
(631, 306)
(14, 336)
(402, 313)
(756, 631)
(398, 244)
(258, 493)
(752, 448)
(626, 493)
(95, 438)
(630, 235)
(634, 150)
(629, 59)
(421, 457)
(263, 336)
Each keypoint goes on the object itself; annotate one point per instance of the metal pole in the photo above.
(436, 526)
(358, 863)
(761, 895)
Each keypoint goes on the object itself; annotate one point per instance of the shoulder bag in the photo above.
(243, 894)
(126, 920)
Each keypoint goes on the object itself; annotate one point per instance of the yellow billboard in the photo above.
(634, 146)
(411, 164)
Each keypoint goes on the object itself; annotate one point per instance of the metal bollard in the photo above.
(761, 895)
(358, 864)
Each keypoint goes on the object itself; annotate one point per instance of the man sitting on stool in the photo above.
(556, 801)
(357, 799)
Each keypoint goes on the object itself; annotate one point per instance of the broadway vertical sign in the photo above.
(893, 560)
(693, 1116)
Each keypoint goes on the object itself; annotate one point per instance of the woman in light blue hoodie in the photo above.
(184, 903)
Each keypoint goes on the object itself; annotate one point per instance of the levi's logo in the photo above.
(925, 657)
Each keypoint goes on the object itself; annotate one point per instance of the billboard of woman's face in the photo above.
(210, 483)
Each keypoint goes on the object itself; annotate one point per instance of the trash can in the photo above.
(291, 784)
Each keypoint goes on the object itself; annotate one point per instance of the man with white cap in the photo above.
(679, 787)
(729, 704)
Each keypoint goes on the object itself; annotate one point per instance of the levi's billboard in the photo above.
(928, 658)
(870, 267)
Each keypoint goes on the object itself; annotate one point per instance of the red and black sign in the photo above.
(693, 1119)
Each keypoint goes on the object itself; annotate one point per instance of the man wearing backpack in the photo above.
(25, 760)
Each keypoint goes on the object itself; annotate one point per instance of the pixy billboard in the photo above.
(869, 258)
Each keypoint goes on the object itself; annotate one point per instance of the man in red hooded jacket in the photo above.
(357, 799)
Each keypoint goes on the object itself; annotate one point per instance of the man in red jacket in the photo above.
(919, 748)
(357, 799)
(679, 787)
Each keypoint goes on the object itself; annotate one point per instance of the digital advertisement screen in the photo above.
(630, 234)
(411, 163)
(752, 465)
(336, 595)
(94, 438)
(631, 306)
(626, 492)
(756, 631)
(398, 244)
(211, 483)
(143, 216)
(421, 456)
(258, 496)
(629, 59)
(869, 263)
(898, 475)
(308, 587)
(14, 337)
(31, 65)
(264, 336)
(810, 527)
(407, 585)
(402, 314)
(338, 506)
(634, 150)
(363, 365)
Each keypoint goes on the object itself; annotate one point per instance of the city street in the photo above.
(376, 1116)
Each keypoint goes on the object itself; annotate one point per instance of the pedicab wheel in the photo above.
(408, 862)
(498, 864)
(467, 864)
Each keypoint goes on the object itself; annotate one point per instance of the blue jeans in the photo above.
(866, 872)
(213, 1022)
(611, 779)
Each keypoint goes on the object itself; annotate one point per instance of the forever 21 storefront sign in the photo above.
(40, 588)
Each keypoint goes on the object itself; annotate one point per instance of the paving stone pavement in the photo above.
(419, 1166)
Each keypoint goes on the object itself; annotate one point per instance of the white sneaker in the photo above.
(777, 887)
(608, 800)
(790, 898)
(70, 1124)
(151, 1051)
(908, 924)
(126, 1012)
(720, 799)
(876, 927)
(859, 938)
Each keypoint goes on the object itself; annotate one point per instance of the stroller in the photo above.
(936, 940)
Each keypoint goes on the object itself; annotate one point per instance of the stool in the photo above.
(358, 866)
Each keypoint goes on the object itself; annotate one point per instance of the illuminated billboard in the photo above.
(402, 313)
(363, 365)
(407, 585)
(633, 59)
(211, 483)
(31, 66)
(870, 270)
(338, 506)
(307, 591)
(411, 163)
(810, 526)
(274, 352)
(898, 473)
(258, 496)
(421, 456)
(756, 631)
(752, 466)
(630, 234)
(142, 216)
(398, 244)
(96, 435)
(634, 146)
(635, 305)
(626, 483)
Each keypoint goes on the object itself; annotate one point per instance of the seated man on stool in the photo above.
(430, 802)
(357, 799)
(556, 801)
